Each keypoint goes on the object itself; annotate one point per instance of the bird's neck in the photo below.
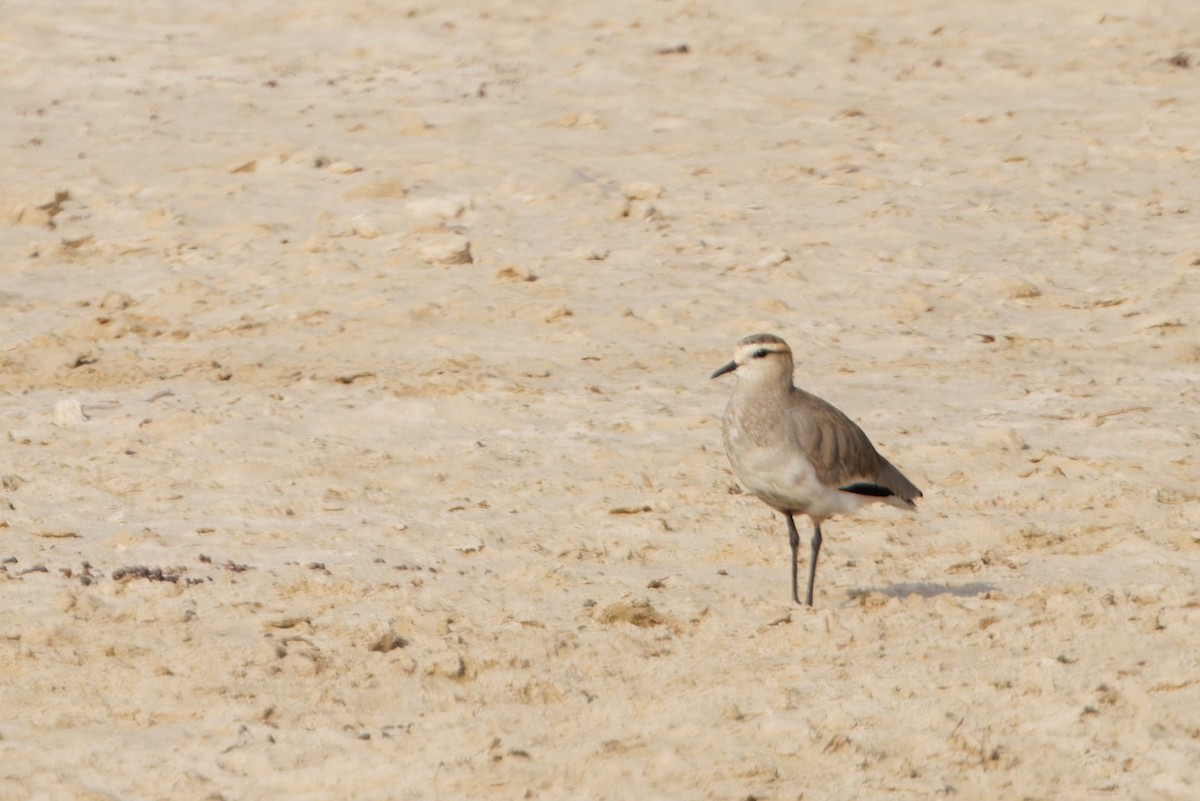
(767, 386)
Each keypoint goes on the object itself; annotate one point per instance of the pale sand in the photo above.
(976, 223)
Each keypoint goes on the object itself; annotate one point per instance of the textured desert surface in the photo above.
(358, 440)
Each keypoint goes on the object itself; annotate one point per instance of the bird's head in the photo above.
(760, 357)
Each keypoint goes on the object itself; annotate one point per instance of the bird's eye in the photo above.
(760, 353)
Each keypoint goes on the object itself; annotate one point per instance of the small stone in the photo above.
(68, 412)
(644, 210)
(438, 208)
(1008, 440)
(380, 190)
(367, 229)
(590, 253)
(415, 126)
(115, 301)
(389, 641)
(586, 119)
(642, 190)
(515, 272)
(774, 259)
(915, 302)
(30, 215)
(868, 182)
(1024, 291)
(448, 249)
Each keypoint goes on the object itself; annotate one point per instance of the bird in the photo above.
(799, 454)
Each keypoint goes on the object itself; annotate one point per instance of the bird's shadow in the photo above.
(925, 590)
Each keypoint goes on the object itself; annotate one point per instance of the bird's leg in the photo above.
(812, 562)
(794, 541)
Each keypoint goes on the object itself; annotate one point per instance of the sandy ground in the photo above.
(359, 441)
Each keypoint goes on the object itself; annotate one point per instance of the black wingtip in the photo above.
(873, 490)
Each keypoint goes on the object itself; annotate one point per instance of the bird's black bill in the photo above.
(729, 368)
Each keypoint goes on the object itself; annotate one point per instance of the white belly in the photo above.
(786, 481)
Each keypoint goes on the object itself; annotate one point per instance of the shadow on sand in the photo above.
(971, 588)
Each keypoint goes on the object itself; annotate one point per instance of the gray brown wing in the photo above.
(842, 454)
